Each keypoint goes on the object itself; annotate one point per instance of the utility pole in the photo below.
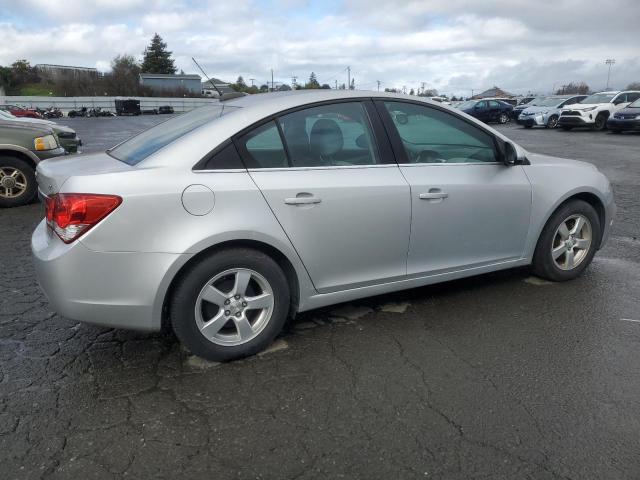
(294, 79)
(252, 79)
(404, 89)
(610, 62)
(272, 87)
(349, 78)
(423, 85)
(378, 84)
(336, 84)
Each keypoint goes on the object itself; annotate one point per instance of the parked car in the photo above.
(487, 110)
(627, 119)
(149, 111)
(272, 208)
(68, 138)
(22, 147)
(165, 109)
(546, 112)
(517, 110)
(21, 111)
(524, 100)
(594, 111)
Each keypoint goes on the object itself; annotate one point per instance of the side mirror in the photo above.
(510, 154)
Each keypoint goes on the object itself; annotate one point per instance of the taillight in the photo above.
(71, 215)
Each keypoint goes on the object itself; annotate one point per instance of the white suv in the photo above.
(594, 110)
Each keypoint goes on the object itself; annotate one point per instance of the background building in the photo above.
(494, 92)
(209, 91)
(162, 82)
(57, 73)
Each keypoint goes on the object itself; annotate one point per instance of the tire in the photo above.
(566, 128)
(552, 122)
(552, 242)
(18, 184)
(600, 122)
(503, 118)
(226, 314)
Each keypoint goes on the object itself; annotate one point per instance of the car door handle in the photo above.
(433, 195)
(302, 200)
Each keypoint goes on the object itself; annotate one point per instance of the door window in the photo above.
(330, 135)
(430, 135)
(494, 104)
(632, 97)
(262, 147)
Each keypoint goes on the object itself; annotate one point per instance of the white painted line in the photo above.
(629, 320)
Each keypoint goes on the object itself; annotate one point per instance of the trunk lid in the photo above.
(51, 174)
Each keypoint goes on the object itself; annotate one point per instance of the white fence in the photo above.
(106, 103)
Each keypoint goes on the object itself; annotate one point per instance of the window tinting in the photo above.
(263, 147)
(430, 135)
(224, 158)
(329, 135)
(137, 148)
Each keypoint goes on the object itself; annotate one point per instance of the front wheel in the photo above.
(230, 305)
(17, 182)
(552, 122)
(600, 122)
(568, 242)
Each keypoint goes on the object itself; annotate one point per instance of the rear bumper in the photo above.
(114, 289)
(613, 124)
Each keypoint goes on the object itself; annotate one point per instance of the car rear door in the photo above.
(335, 188)
(468, 209)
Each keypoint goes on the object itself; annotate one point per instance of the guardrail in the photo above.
(105, 103)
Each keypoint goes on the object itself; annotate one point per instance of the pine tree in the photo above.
(156, 57)
(313, 81)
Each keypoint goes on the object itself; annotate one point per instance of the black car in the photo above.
(488, 110)
(627, 119)
(167, 109)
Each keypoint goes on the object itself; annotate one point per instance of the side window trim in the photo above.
(396, 141)
(201, 165)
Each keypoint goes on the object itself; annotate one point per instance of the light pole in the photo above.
(610, 62)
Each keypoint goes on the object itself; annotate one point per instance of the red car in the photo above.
(20, 111)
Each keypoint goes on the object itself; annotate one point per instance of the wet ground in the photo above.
(502, 376)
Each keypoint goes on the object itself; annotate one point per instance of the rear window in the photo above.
(137, 148)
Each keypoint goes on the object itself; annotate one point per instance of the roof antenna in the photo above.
(223, 96)
(207, 77)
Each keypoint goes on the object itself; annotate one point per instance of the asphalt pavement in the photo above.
(502, 376)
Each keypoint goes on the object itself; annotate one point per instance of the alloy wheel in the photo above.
(571, 242)
(553, 121)
(13, 182)
(503, 118)
(234, 307)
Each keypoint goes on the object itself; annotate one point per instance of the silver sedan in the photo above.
(228, 220)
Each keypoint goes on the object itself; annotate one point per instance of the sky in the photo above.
(454, 46)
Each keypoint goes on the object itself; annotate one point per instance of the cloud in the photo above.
(451, 45)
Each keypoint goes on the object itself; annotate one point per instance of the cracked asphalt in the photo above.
(502, 376)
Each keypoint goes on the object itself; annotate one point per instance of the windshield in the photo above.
(550, 102)
(599, 98)
(137, 148)
(467, 104)
(7, 115)
(635, 104)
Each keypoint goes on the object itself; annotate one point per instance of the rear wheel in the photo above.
(232, 304)
(503, 118)
(552, 122)
(17, 182)
(568, 242)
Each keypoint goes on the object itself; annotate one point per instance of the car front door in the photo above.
(468, 209)
(336, 190)
(482, 111)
